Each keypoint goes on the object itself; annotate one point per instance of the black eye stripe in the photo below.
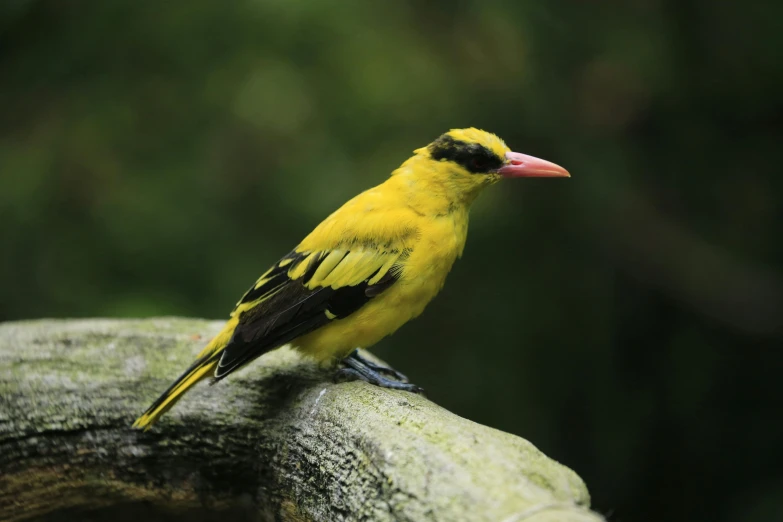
(472, 156)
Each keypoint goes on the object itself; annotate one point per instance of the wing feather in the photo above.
(302, 292)
(328, 264)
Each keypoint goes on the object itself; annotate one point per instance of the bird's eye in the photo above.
(480, 163)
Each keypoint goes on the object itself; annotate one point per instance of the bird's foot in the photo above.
(359, 368)
(378, 367)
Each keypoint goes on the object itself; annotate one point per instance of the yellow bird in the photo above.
(367, 269)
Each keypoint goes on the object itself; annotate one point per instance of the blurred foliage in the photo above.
(156, 157)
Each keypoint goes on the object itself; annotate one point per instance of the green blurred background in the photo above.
(156, 157)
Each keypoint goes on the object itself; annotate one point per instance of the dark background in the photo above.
(156, 157)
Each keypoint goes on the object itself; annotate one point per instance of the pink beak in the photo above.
(523, 166)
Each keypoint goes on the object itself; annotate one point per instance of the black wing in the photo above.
(302, 292)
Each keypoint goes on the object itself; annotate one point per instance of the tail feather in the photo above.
(200, 369)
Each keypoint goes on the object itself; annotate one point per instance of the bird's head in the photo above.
(467, 160)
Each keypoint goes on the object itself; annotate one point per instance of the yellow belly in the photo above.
(368, 325)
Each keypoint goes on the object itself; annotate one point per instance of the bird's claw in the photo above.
(379, 367)
(346, 374)
(359, 368)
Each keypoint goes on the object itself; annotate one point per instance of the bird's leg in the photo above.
(356, 368)
(378, 367)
